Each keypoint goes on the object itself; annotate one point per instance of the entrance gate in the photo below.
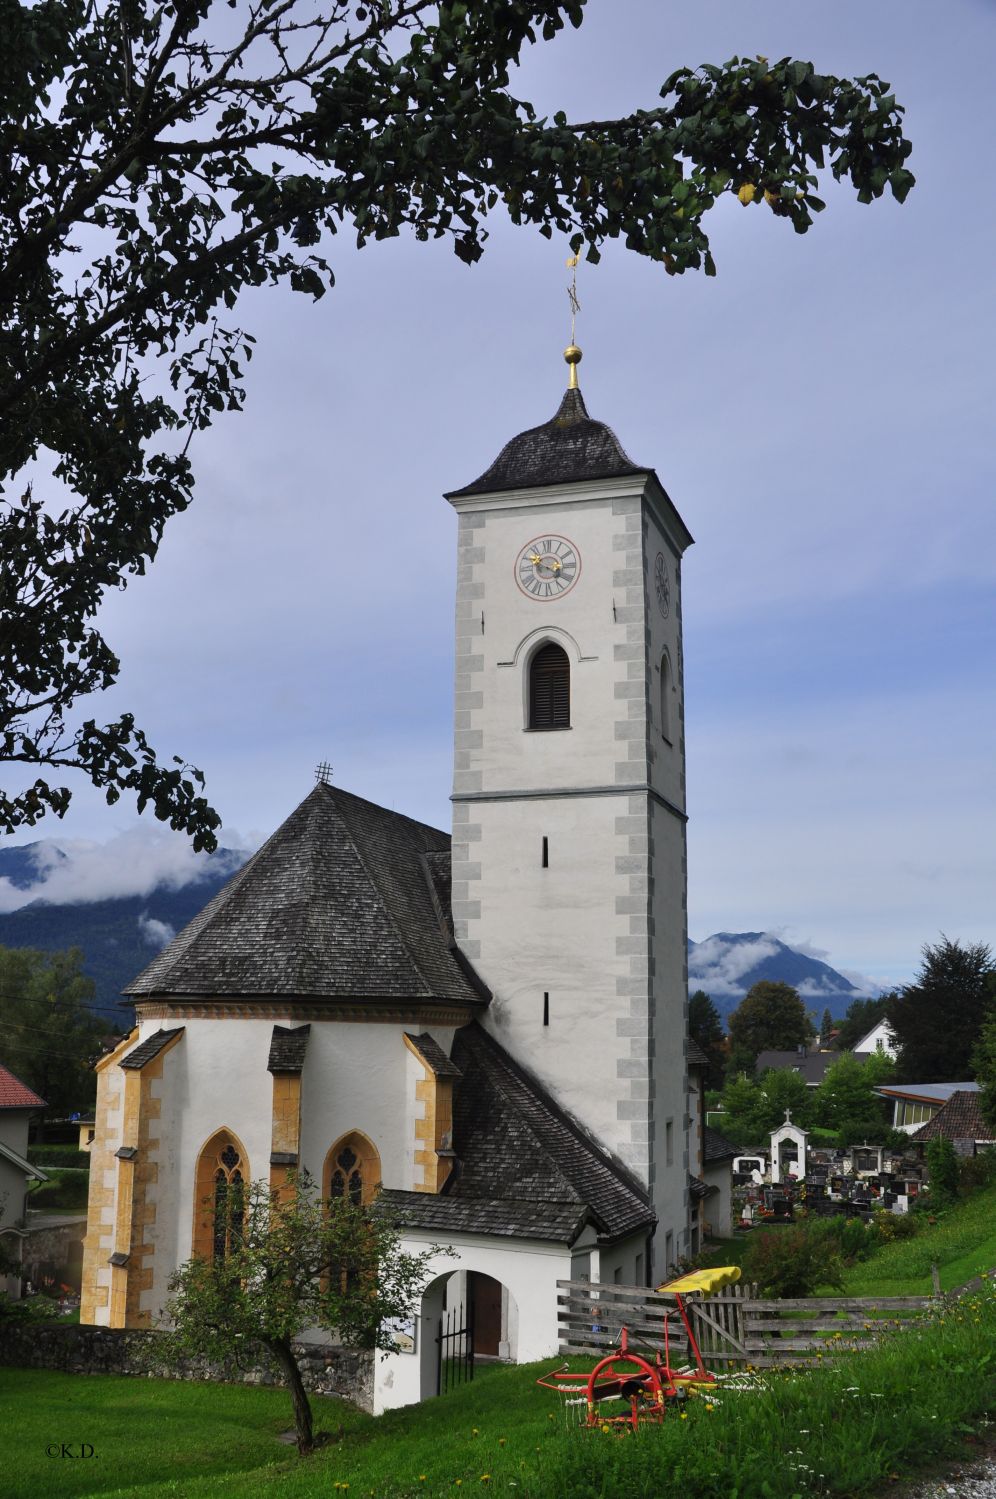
(455, 1348)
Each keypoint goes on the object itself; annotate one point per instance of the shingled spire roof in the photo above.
(571, 446)
(342, 903)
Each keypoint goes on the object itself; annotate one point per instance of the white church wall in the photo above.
(216, 1078)
(528, 1270)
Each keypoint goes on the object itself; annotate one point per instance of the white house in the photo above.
(17, 1104)
(490, 1031)
(879, 1038)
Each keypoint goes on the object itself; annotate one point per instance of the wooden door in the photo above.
(485, 1299)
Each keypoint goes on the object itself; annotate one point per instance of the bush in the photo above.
(942, 1168)
(793, 1261)
(975, 1171)
(58, 1155)
(66, 1189)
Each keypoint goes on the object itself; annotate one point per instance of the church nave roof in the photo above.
(347, 900)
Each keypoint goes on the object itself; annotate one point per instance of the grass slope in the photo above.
(962, 1243)
(842, 1428)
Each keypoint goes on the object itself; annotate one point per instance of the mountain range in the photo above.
(120, 933)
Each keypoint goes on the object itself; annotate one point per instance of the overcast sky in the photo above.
(821, 414)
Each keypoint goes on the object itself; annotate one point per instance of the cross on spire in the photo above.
(323, 773)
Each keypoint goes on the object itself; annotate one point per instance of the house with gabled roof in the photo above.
(486, 1034)
(18, 1103)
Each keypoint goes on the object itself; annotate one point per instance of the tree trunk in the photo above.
(284, 1355)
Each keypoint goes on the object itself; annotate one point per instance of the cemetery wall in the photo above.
(325, 1369)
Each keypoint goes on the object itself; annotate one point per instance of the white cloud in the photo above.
(135, 862)
(717, 967)
(155, 933)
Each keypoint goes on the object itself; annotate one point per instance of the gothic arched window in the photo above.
(220, 1203)
(550, 688)
(352, 1170)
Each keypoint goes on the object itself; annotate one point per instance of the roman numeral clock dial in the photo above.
(547, 567)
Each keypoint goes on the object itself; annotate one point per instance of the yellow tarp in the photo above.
(706, 1281)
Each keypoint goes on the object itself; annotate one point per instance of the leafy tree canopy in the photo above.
(159, 159)
(705, 1027)
(48, 1036)
(296, 1262)
(754, 1108)
(770, 1017)
(938, 1020)
(846, 1099)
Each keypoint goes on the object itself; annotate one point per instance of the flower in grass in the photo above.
(485, 1477)
(501, 1441)
(474, 1431)
(683, 1416)
(710, 1406)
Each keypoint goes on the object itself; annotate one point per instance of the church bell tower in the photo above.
(569, 864)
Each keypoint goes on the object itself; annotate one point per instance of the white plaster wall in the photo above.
(719, 1207)
(529, 1271)
(622, 1258)
(356, 1077)
(670, 1026)
(556, 931)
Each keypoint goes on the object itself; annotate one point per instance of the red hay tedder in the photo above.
(644, 1386)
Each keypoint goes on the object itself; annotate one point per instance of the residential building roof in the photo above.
(958, 1119)
(570, 446)
(810, 1065)
(17, 1095)
(926, 1092)
(346, 901)
(696, 1056)
(513, 1143)
(716, 1147)
(18, 1160)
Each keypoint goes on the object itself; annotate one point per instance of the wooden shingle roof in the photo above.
(514, 1144)
(959, 1119)
(344, 901)
(570, 446)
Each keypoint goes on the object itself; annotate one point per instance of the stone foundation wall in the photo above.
(325, 1369)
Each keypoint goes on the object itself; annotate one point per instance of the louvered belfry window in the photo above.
(550, 689)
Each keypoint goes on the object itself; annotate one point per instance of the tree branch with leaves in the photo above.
(159, 159)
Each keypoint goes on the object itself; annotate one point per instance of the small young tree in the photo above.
(942, 1171)
(294, 1261)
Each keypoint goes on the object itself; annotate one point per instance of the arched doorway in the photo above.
(466, 1317)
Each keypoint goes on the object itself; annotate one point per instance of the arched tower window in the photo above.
(352, 1170)
(550, 688)
(220, 1203)
(666, 697)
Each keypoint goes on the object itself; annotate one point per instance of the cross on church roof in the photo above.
(323, 773)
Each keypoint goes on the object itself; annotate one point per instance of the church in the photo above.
(487, 1031)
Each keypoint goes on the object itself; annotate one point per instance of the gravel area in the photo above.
(974, 1481)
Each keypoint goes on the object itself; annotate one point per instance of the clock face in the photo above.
(662, 584)
(548, 567)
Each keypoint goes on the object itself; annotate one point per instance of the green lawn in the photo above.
(840, 1429)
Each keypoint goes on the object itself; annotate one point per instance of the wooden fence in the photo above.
(733, 1328)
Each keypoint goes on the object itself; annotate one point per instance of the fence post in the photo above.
(935, 1276)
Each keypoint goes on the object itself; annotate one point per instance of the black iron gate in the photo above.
(455, 1348)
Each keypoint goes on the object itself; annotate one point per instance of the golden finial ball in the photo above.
(572, 354)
